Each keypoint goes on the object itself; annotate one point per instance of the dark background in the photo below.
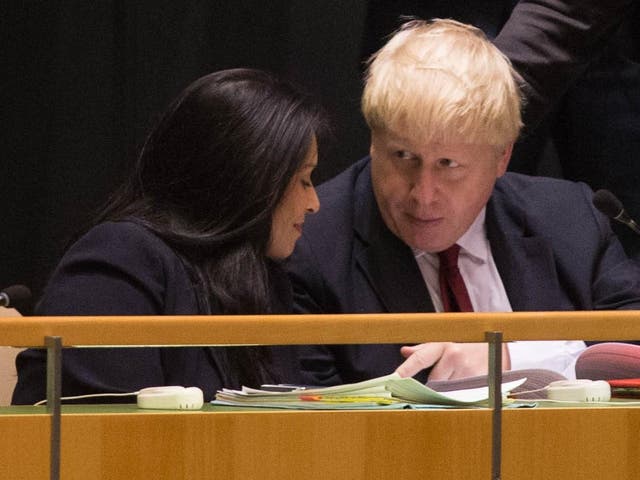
(84, 81)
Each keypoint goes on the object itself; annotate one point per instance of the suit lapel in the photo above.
(386, 261)
(524, 260)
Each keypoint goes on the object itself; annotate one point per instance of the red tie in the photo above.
(453, 291)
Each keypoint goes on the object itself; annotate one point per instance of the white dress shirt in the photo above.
(487, 294)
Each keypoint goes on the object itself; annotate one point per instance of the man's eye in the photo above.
(403, 154)
(447, 162)
(307, 183)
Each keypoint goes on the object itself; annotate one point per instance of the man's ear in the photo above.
(374, 136)
(503, 160)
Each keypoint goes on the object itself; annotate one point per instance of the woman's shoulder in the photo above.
(125, 229)
(130, 248)
(123, 238)
(119, 268)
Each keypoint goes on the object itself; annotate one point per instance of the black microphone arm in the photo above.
(13, 295)
(611, 206)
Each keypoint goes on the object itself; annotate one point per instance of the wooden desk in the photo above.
(114, 443)
(125, 443)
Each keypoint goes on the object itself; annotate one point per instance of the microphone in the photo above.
(608, 203)
(13, 295)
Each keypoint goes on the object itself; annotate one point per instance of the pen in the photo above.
(281, 387)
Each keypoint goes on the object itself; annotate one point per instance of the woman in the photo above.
(217, 197)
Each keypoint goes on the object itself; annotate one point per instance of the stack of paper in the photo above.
(389, 391)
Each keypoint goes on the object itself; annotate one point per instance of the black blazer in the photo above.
(123, 269)
(553, 249)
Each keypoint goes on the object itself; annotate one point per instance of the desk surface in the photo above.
(122, 442)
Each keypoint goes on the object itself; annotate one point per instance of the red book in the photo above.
(625, 387)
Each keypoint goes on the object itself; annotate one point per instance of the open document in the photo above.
(390, 391)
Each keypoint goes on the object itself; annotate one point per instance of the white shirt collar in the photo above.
(474, 241)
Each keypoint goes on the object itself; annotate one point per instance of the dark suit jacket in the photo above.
(553, 249)
(123, 269)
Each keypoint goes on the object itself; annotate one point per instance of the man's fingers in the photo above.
(419, 357)
(407, 351)
(442, 371)
(461, 360)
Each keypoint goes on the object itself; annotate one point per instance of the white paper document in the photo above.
(390, 391)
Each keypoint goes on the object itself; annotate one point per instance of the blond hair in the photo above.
(445, 82)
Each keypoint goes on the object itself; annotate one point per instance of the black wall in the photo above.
(85, 80)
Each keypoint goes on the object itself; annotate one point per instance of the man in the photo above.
(443, 107)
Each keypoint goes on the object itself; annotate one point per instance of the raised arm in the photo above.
(551, 42)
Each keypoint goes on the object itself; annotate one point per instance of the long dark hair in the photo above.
(210, 176)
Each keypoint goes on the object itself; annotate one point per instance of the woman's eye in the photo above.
(307, 183)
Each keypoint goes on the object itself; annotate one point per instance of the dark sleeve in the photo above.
(551, 42)
(116, 269)
(306, 280)
(617, 281)
(615, 278)
(317, 362)
(318, 366)
(590, 259)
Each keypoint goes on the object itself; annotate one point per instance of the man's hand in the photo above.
(449, 360)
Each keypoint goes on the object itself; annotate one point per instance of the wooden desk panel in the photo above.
(571, 443)
(538, 444)
(123, 443)
(267, 445)
(24, 447)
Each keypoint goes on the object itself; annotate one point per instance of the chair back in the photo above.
(8, 374)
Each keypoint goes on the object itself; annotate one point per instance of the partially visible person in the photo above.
(216, 200)
(444, 110)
